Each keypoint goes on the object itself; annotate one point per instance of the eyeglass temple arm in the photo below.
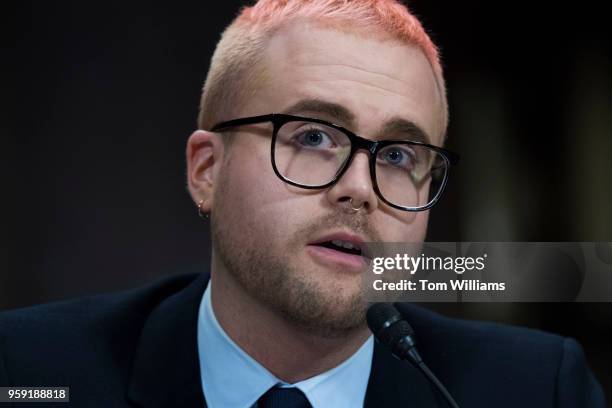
(243, 121)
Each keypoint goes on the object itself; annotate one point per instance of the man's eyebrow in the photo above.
(396, 128)
(336, 111)
(408, 129)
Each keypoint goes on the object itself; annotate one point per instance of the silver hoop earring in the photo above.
(202, 214)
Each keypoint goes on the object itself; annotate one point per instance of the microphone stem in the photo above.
(438, 384)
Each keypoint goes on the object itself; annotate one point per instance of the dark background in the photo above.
(100, 97)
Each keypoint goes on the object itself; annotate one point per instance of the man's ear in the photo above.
(204, 158)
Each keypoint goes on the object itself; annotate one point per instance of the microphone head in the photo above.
(398, 336)
(381, 316)
(386, 322)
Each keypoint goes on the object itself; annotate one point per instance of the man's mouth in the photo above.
(340, 249)
(342, 246)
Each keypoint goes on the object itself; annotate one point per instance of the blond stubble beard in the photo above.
(274, 282)
(266, 273)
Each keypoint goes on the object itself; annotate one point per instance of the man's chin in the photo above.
(327, 326)
(329, 307)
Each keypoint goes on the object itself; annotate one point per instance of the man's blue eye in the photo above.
(394, 156)
(398, 157)
(313, 138)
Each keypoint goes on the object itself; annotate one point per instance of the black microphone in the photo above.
(388, 327)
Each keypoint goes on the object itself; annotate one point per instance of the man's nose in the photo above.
(354, 188)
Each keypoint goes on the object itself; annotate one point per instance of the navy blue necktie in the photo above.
(277, 397)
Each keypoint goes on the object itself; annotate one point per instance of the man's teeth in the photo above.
(344, 244)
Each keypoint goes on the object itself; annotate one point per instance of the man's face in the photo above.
(264, 230)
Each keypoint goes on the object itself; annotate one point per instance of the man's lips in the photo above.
(341, 249)
(344, 237)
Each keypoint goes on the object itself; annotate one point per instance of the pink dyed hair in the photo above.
(234, 69)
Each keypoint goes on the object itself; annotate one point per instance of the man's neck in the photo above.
(289, 352)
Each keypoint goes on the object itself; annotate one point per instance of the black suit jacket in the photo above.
(138, 348)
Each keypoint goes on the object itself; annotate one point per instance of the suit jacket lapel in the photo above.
(395, 383)
(166, 370)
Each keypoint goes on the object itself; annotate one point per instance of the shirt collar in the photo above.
(232, 378)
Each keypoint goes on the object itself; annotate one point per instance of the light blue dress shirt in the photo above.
(232, 378)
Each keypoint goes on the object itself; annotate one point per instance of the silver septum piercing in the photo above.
(355, 209)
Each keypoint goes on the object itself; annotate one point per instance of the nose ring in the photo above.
(355, 209)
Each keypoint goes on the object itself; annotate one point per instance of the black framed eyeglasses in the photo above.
(313, 154)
